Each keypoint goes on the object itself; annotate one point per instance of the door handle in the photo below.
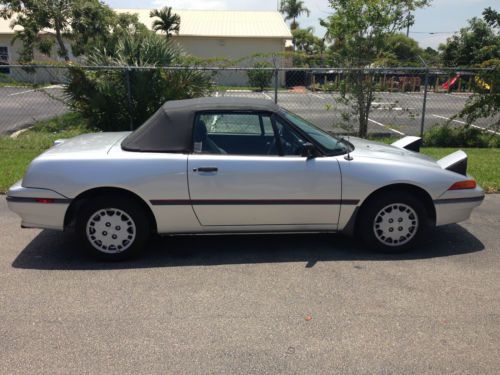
(206, 169)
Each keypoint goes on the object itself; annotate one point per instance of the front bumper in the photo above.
(38, 208)
(456, 206)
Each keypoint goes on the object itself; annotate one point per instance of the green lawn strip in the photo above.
(483, 164)
(7, 83)
(16, 154)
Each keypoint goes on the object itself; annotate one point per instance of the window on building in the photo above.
(4, 59)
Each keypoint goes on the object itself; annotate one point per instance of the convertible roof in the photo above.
(170, 129)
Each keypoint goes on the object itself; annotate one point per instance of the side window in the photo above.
(234, 134)
(268, 125)
(291, 142)
(231, 123)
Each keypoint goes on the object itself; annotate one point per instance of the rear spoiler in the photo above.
(456, 162)
(409, 143)
(58, 142)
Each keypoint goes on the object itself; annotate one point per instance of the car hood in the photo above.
(363, 147)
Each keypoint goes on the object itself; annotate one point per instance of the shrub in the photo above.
(101, 95)
(447, 136)
(260, 78)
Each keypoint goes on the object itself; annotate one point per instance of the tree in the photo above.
(485, 102)
(92, 23)
(360, 29)
(125, 25)
(167, 23)
(115, 99)
(492, 17)
(399, 50)
(431, 56)
(292, 9)
(261, 75)
(304, 40)
(82, 20)
(472, 45)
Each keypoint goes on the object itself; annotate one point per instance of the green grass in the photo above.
(16, 154)
(7, 81)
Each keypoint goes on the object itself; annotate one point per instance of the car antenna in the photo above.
(348, 156)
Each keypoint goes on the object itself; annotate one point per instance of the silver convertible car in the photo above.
(229, 165)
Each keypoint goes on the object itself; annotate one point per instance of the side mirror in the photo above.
(308, 150)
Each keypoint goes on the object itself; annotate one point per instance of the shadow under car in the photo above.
(52, 250)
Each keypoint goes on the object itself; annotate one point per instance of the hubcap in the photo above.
(395, 224)
(111, 230)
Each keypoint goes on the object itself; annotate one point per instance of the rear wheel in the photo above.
(393, 222)
(113, 228)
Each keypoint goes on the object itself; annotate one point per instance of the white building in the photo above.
(233, 35)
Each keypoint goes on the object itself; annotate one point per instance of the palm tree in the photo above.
(167, 23)
(293, 9)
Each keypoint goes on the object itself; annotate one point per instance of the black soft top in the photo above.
(170, 129)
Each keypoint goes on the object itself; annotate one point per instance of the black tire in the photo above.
(376, 213)
(128, 225)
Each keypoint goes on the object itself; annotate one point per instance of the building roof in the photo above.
(224, 23)
(209, 23)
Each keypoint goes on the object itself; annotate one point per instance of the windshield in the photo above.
(330, 144)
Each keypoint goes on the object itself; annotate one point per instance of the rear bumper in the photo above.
(38, 208)
(457, 206)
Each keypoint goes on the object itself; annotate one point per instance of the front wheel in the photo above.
(393, 222)
(113, 228)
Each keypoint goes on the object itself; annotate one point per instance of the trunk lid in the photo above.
(95, 143)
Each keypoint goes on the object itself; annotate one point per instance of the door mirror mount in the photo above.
(308, 150)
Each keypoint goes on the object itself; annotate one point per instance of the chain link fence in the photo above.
(405, 101)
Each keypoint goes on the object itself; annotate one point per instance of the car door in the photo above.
(266, 183)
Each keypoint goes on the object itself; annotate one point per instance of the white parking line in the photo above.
(383, 103)
(464, 123)
(267, 96)
(22, 92)
(385, 126)
(317, 96)
(43, 88)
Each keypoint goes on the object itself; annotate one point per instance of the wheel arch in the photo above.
(79, 200)
(421, 193)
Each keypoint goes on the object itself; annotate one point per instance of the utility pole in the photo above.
(408, 24)
(424, 103)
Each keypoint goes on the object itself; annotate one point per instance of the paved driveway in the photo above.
(22, 106)
(238, 304)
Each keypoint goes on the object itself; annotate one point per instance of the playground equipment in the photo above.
(448, 85)
(403, 83)
(482, 84)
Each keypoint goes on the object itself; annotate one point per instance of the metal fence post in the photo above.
(424, 104)
(276, 78)
(129, 97)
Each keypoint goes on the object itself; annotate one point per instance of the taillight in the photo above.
(467, 184)
(44, 200)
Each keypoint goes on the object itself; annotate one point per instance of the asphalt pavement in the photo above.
(305, 304)
(21, 107)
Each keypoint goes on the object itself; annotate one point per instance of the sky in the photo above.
(442, 18)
